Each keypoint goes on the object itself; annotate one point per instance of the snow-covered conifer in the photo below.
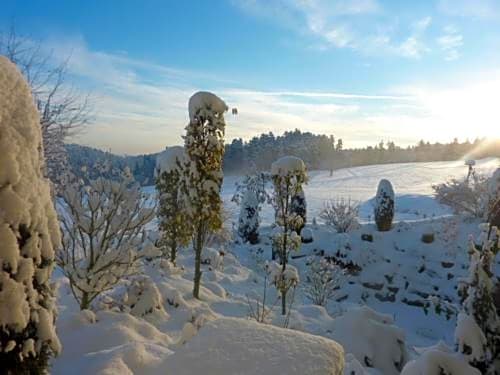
(248, 221)
(29, 232)
(174, 225)
(288, 174)
(202, 180)
(384, 206)
(103, 235)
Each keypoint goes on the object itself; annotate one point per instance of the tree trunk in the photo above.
(198, 247)
(173, 252)
(84, 304)
(283, 302)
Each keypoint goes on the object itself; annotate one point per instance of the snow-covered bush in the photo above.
(384, 206)
(341, 213)
(479, 311)
(173, 222)
(202, 171)
(470, 197)
(323, 279)
(248, 221)
(439, 360)
(299, 208)
(372, 338)
(250, 195)
(103, 227)
(494, 199)
(306, 235)
(144, 299)
(288, 174)
(29, 232)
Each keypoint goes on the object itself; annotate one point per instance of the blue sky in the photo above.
(363, 70)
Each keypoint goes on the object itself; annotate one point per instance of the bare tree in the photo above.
(63, 109)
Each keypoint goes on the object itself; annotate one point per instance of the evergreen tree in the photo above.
(202, 180)
(173, 220)
(299, 208)
(29, 233)
(384, 206)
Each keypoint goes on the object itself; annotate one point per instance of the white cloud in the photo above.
(450, 42)
(482, 9)
(350, 24)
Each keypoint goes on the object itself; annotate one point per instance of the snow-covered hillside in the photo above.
(381, 312)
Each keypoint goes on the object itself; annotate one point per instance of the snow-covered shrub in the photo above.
(306, 235)
(479, 307)
(283, 279)
(439, 360)
(103, 227)
(202, 171)
(323, 279)
(341, 213)
(250, 195)
(248, 221)
(29, 233)
(469, 197)
(299, 208)
(144, 299)
(288, 174)
(372, 338)
(494, 199)
(173, 222)
(384, 206)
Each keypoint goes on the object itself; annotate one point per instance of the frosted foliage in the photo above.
(288, 165)
(143, 298)
(169, 159)
(248, 221)
(438, 361)
(372, 338)
(29, 231)
(203, 99)
(384, 205)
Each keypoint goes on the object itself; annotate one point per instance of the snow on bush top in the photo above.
(166, 161)
(29, 230)
(385, 189)
(203, 99)
(288, 165)
(238, 346)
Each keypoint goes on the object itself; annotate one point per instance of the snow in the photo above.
(237, 346)
(288, 165)
(167, 160)
(29, 230)
(204, 100)
(469, 334)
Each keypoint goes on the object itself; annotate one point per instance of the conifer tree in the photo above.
(202, 172)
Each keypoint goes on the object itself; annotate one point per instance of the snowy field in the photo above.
(379, 315)
(412, 184)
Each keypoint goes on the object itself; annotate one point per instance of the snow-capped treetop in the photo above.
(29, 230)
(385, 189)
(470, 162)
(288, 165)
(204, 99)
(166, 161)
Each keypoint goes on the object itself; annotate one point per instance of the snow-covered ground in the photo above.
(379, 314)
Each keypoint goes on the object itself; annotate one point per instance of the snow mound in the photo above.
(238, 346)
(372, 338)
(288, 165)
(203, 99)
(166, 161)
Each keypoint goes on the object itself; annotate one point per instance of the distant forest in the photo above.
(317, 151)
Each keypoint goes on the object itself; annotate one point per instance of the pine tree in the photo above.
(173, 220)
(384, 206)
(29, 232)
(248, 221)
(202, 180)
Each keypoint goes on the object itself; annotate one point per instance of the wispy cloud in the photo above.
(354, 24)
(481, 9)
(450, 42)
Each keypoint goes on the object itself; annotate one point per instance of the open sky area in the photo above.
(363, 70)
